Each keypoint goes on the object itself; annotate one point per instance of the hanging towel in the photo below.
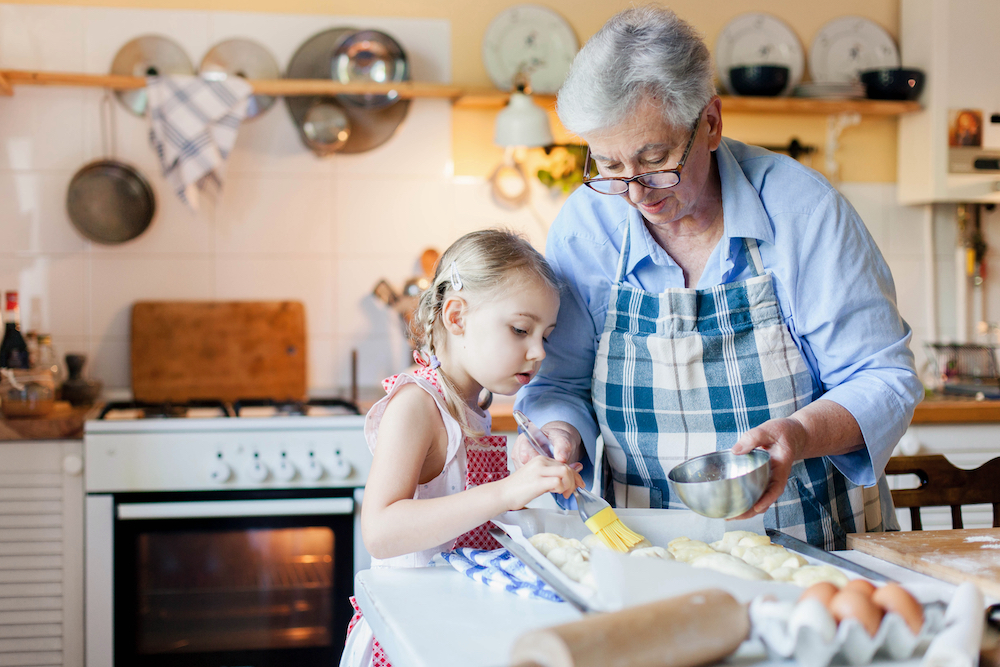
(499, 569)
(193, 124)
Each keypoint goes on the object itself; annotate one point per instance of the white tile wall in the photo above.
(287, 224)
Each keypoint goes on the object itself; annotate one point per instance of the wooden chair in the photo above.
(942, 484)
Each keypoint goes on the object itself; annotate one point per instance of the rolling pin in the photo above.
(685, 631)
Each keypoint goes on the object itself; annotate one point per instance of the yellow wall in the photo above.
(868, 152)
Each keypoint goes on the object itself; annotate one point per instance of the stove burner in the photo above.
(144, 410)
(268, 407)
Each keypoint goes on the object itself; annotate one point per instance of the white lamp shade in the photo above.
(522, 123)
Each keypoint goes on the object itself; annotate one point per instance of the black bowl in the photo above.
(893, 83)
(759, 80)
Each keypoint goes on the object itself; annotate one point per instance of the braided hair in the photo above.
(480, 264)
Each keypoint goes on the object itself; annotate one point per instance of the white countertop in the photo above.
(436, 617)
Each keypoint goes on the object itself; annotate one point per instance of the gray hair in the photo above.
(640, 52)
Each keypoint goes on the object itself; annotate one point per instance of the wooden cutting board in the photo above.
(955, 556)
(228, 350)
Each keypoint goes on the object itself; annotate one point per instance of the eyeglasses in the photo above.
(665, 178)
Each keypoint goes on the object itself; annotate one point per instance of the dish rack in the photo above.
(966, 369)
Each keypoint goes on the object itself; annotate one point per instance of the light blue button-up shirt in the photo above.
(833, 286)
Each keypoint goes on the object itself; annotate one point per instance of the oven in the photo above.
(222, 540)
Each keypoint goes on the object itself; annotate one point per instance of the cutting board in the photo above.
(228, 350)
(955, 556)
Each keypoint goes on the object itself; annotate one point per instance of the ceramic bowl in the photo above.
(893, 83)
(758, 80)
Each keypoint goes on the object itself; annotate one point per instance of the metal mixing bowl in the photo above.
(721, 485)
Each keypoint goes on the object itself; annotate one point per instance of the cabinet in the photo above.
(41, 553)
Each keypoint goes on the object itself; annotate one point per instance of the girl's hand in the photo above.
(538, 476)
(564, 438)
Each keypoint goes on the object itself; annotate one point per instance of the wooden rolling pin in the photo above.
(685, 631)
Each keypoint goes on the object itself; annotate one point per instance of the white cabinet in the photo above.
(41, 553)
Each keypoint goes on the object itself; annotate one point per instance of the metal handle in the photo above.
(212, 509)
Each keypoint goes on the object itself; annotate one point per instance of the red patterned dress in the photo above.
(469, 462)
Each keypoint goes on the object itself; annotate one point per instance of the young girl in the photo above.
(437, 475)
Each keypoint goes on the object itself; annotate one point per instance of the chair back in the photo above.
(944, 485)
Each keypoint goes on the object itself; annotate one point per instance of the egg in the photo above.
(823, 591)
(896, 599)
(856, 605)
(861, 586)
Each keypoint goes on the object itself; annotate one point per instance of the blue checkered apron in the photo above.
(687, 372)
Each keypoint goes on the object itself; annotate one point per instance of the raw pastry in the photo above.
(729, 565)
(754, 540)
(782, 573)
(546, 542)
(651, 552)
(730, 540)
(686, 550)
(560, 556)
(770, 557)
(808, 575)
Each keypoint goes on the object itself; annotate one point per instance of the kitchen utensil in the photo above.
(148, 55)
(244, 58)
(428, 262)
(369, 128)
(370, 56)
(326, 127)
(27, 392)
(596, 512)
(893, 83)
(758, 39)
(721, 485)
(806, 549)
(694, 629)
(522, 555)
(758, 80)
(109, 201)
(78, 390)
(955, 556)
(846, 45)
(222, 350)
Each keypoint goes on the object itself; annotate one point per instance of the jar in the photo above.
(26, 392)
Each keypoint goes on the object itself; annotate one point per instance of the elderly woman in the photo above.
(716, 296)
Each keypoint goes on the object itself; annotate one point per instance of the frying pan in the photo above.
(109, 201)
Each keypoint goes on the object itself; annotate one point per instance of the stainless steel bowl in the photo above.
(721, 485)
(370, 56)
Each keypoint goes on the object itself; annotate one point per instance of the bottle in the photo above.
(13, 349)
(47, 359)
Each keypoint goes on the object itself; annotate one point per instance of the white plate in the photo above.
(534, 37)
(758, 39)
(847, 45)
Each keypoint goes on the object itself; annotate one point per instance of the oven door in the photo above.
(250, 578)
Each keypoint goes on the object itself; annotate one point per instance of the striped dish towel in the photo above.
(498, 569)
(193, 124)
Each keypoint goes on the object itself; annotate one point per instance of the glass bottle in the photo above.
(13, 349)
(47, 358)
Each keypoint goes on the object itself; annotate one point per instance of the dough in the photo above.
(808, 575)
(730, 540)
(560, 556)
(651, 552)
(576, 570)
(782, 573)
(593, 541)
(770, 557)
(546, 542)
(730, 565)
(754, 540)
(686, 550)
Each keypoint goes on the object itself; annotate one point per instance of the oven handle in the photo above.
(211, 509)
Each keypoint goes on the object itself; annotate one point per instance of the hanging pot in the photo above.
(109, 201)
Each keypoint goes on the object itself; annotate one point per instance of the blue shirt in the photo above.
(833, 286)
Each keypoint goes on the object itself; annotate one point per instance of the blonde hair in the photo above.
(479, 265)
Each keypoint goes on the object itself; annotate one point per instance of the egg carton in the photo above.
(807, 633)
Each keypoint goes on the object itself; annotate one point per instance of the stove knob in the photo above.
(257, 471)
(285, 471)
(341, 468)
(313, 470)
(220, 472)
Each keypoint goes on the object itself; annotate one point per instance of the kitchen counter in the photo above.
(434, 617)
(64, 423)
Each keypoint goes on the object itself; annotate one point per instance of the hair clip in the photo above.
(456, 280)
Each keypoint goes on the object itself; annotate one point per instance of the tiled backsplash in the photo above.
(288, 225)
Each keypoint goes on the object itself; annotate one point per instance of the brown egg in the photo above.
(894, 598)
(857, 605)
(823, 591)
(861, 586)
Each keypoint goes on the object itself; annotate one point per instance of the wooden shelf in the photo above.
(464, 97)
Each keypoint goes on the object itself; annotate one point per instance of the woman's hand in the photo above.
(538, 476)
(564, 438)
(785, 440)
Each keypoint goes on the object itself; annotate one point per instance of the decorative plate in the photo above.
(531, 37)
(758, 39)
(846, 45)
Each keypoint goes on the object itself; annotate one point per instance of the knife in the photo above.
(807, 549)
(522, 555)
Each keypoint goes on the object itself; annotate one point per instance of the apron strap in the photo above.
(623, 256)
(756, 263)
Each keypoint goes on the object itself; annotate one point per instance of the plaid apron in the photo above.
(687, 372)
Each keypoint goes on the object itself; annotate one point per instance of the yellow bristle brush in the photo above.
(596, 513)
